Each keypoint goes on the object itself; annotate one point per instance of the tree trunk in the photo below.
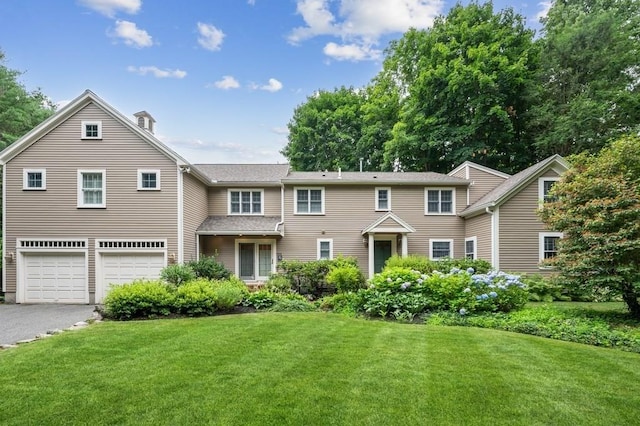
(630, 297)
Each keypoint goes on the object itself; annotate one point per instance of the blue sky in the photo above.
(221, 77)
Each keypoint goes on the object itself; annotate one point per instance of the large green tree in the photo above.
(589, 76)
(597, 208)
(325, 130)
(465, 86)
(20, 110)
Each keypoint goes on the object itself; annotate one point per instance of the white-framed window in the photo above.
(440, 200)
(544, 186)
(470, 245)
(308, 200)
(91, 130)
(548, 246)
(148, 180)
(34, 179)
(92, 188)
(383, 199)
(325, 249)
(440, 249)
(245, 201)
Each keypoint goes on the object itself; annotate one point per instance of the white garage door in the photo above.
(55, 277)
(124, 268)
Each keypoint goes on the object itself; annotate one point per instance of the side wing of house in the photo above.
(89, 201)
(482, 179)
(195, 206)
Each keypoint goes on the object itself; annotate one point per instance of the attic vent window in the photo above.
(91, 130)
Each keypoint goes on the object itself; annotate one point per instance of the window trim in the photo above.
(440, 189)
(541, 237)
(308, 188)
(81, 204)
(25, 179)
(251, 191)
(83, 129)
(440, 240)
(475, 247)
(541, 182)
(148, 171)
(377, 199)
(319, 242)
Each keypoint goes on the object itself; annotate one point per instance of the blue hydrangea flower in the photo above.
(493, 294)
(405, 285)
(463, 311)
(470, 271)
(466, 290)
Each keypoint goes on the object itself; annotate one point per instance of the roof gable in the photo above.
(470, 164)
(388, 223)
(515, 183)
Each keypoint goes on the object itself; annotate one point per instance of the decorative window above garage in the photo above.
(91, 130)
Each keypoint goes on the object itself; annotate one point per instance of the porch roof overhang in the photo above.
(241, 226)
(388, 224)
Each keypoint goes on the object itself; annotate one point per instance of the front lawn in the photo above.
(312, 369)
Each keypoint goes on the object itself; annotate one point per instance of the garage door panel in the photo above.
(55, 277)
(124, 268)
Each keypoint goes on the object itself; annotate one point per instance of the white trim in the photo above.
(475, 247)
(250, 191)
(440, 189)
(468, 164)
(49, 246)
(319, 241)
(4, 228)
(541, 181)
(180, 207)
(377, 198)
(309, 189)
(372, 254)
(495, 238)
(25, 179)
(81, 203)
(256, 258)
(440, 240)
(148, 171)
(83, 130)
(541, 237)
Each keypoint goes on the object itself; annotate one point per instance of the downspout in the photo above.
(4, 230)
(281, 210)
(494, 237)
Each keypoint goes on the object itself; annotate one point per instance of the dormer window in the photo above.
(91, 130)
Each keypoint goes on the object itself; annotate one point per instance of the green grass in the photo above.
(313, 369)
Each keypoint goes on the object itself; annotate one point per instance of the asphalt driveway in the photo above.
(21, 322)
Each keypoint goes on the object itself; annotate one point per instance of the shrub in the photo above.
(278, 283)
(229, 293)
(139, 299)
(208, 267)
(292, 304)
(261, 299)
(310, 277)
(343, 303)
(426, 266)
(177, 274)
(197, 297)
(544, 289)
(345, 278)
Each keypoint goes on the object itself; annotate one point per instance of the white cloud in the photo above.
(273, 86)
(361, 23)
(251, 2)
(280, 130)
(157, 72)
(62, 103)
(227, 82)
(110, 7)
(132, 35)
(351, 52)
(210, 37)
(545, 6)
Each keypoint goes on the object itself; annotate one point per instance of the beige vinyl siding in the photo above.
(129, 213)
(349, 210)
(480, 227)
(219, 202)
(195, 212)
(483, 182)
(221, 247)
(519, 230)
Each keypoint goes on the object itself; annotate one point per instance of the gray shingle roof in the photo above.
(407, 178)
(512, 184)
(240, 225)
(244, 173)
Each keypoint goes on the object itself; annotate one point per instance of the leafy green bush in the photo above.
(345, 278)
(425, 265)
(310, 277)
(229, 293)
(208, 267)
(139, 299)
(278, 283)
(197, 297)
(292, 304)
(343, 303)
(544, 289)
(177, 274)
(261, 299)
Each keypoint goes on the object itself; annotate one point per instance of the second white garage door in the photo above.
(124, 268)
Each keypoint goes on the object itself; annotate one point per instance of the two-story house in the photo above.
(92, 198)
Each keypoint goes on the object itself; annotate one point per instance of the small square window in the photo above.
(440, 249)
(34, 180)
(148, 180)
(91, 130)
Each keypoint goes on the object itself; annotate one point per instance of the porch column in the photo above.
(371, 255)
(405, 245)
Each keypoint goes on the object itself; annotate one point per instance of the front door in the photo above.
(247, 261)
(381, 252)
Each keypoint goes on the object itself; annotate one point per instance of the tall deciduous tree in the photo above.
(589, 75)
(465, 84)
(325, 130)
(597, 208)
(20, 110)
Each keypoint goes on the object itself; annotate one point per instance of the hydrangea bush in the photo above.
(403, 292)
